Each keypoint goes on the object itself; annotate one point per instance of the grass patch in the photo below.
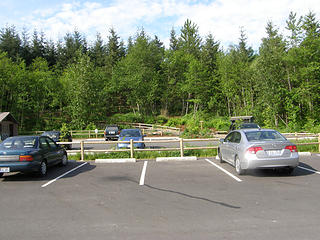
(307, 148)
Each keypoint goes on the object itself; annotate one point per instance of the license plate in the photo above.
(112, 132)
(4, 170)
(273, 153)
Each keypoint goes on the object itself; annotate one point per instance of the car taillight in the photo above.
(27, 158)
(292, 148)
(254, 150)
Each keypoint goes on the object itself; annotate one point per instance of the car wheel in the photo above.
(239, 170)
(64, 161)
(43, 168)
(220, 156)
(1, 174)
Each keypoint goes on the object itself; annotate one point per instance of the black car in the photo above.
(248, 125)
(111, 132)
(30, 154)
(56, 136)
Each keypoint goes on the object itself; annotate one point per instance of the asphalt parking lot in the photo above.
(200, 199)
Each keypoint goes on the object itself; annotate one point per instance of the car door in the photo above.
(234, 146)
(225, 147)
(45, 150)
(55, 151)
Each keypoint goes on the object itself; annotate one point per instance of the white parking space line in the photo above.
(143, 173)
(310, 170)
(225, 171)
(53, 180)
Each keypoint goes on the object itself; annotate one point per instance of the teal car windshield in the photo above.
(18, 143)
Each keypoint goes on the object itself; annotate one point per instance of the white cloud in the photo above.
(222, 18)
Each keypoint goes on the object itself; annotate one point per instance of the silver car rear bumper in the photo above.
(254, 162)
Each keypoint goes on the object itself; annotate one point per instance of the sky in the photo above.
(221, 18)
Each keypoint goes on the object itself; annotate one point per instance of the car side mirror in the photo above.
(221, 140)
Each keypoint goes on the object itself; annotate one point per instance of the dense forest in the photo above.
(45, 83)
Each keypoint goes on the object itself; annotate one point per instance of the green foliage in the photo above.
(44, 84)
(91, 126)
(64, 131)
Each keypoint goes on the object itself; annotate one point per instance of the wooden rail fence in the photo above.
(181, 147)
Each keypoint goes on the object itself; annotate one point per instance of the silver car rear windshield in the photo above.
(261, 135)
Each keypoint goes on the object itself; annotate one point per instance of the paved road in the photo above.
(177, 200)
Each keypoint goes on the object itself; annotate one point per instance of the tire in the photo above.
(289, 170)
(43, 169)
(220, 156)
(64, 161)
(237, 165)
(1, 175)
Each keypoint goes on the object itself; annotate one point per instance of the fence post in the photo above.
(89, 134)
(82, 150)
(181, 147)
(131, 149)
(201, 125)
(319, 141)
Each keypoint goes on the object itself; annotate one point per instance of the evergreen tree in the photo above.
(10, 42)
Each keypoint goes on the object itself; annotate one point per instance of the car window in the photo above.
(51, 143)
(112, 129)
(43, 143)
(130, 133)
(264, 136)
(236, 137)
(249, 125)
(229, 137)
(18, 143)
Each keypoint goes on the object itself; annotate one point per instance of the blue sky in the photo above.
(222, 18)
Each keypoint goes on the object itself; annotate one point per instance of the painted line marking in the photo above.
(223, 170)
(143, 173)
(310, 170)
(53, 180)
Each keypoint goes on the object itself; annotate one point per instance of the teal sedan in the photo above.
(30, 154)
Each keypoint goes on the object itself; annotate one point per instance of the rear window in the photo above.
(249, 125)
(51, 134)
(18, 143)
(112, 128)
(130, 133)
(264, 136)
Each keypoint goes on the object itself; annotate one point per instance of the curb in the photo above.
(305, 153)
(166, 159)
(116, 160)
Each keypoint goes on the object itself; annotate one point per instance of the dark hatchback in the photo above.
(111, 132)
(56, 136)
(30, 154)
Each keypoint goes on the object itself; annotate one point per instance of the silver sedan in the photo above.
(258, 148)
